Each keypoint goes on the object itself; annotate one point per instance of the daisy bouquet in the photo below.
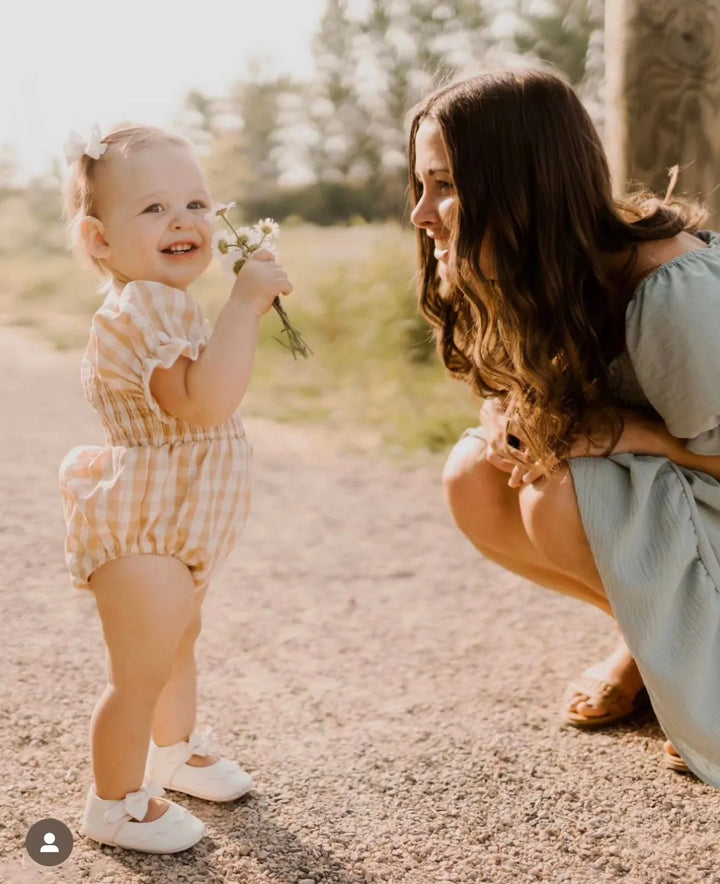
(235, 247)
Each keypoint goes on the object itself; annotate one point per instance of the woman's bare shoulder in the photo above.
(655, 253)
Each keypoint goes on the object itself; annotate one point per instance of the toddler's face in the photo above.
(153, 205)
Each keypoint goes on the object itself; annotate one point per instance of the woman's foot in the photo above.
(606, 692)
(141, 821)
(672, 760)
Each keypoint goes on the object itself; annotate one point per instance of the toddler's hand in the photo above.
(260, 281)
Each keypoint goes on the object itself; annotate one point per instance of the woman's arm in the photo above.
(506, 452)
(643, 434)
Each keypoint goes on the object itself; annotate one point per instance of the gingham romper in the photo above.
(160, 485)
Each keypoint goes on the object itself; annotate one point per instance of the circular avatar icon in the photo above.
(49, 842)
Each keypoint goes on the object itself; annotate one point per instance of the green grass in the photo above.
(373, 374)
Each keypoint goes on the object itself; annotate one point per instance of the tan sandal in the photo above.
(672, 760)
(597, 692)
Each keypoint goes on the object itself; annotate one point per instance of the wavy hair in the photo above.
(530, 173)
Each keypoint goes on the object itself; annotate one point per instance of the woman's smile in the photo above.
(441, 253)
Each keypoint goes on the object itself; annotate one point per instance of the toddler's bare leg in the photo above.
(175, 712)
(145, 605)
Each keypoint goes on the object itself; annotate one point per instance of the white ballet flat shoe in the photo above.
(111, 822)
(222, 781)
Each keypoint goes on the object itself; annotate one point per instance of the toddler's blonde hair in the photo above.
(79, 193)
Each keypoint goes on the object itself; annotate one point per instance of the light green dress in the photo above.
(654, 527)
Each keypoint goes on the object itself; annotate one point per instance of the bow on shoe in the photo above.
(76, 146)
(199, 742)
(135, 804)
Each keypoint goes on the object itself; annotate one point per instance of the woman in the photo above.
(590, 329)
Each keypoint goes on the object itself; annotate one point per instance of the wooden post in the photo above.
(663, 95)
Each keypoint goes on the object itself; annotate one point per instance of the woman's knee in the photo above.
(551, 516)
(477, 494)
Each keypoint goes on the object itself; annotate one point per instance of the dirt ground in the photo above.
(394, 695)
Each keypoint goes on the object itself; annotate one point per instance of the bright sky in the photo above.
(68, 63)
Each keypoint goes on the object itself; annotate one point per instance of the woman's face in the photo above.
(436, 207)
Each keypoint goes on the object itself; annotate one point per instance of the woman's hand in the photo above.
(642, 433)
(504, 449)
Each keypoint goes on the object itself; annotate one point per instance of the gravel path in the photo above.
(394, 695)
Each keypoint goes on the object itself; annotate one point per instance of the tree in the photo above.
(204, 110)
(663, 69)
(373, 66)
(568, 34)
(374, 61)
(415, 43)
(244, 134)
(560, 34)
(333, 101)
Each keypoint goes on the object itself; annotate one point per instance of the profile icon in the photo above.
(49, 842)
(49, 846)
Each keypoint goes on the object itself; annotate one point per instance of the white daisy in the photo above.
(268, 228)
(232, 262)
(223, 208)
(221, 243)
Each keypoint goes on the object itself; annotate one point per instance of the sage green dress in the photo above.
(654, 527)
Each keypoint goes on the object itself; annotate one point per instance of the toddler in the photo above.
(152, 513)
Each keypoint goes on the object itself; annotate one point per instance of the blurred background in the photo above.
(298, 111)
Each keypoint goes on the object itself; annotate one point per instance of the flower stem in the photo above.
(297, 344)
(229, 225)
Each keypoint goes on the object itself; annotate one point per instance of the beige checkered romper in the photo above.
(160, 485)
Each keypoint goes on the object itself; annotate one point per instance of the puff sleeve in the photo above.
(148, 325)
(673, 340)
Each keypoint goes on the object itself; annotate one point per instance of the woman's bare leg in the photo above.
(145, 604)
(535, 532)
(176, 708)
(552, 518)
(489, 513)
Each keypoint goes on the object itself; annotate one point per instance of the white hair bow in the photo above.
(75, 145)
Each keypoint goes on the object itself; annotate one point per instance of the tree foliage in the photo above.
(334, 147)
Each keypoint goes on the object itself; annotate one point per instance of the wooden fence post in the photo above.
(663, 95)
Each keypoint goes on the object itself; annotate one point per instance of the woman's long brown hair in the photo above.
(529, 170)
